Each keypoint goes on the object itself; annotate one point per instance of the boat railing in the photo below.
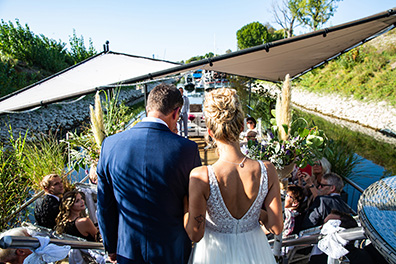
(34, 243)
(295, 242)
(353, 191)
(349, 234)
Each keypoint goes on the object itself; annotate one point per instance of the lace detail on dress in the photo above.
(219, 219)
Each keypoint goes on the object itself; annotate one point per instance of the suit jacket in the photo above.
(143, 176)
(46, 211)
(321, 208)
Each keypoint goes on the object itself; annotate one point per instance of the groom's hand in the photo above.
(113, 257)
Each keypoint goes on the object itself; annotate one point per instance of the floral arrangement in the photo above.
(288, 142)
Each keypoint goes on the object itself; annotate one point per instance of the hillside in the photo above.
(26, 58)
(366, 73)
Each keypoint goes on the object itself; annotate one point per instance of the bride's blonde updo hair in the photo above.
(223, 114)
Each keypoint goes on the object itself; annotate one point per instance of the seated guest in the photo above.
(250, 138)
(14, 255)
(329, 189)
(72, 220)
(47, 206)
(251, 135)
(293, 206)
(251, 123)
(319, 168)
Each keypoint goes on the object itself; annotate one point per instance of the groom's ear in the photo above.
(176, 113)
(210, 132)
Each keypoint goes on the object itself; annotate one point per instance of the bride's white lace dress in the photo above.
(230, 240)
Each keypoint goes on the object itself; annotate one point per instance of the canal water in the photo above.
(364, 174)
(376, 158)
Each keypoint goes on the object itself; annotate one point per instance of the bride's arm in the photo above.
(271, 217)
(194, 219)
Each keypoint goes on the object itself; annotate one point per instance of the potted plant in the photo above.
(289, 142)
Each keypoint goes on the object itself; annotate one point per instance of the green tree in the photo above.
(251, 35)
(21, 44)
(200, 57)
(313, 13)
(255, 33)
(78, 51)
(26, 58)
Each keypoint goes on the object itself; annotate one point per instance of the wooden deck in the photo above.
(208, 157)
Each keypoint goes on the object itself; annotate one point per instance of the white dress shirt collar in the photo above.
(155, 120)
(57, 198)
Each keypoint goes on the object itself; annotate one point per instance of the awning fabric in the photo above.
(296, 55)
(83, 78)
(271, 62)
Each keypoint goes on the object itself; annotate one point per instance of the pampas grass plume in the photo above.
(98, 134)
(99, 112)
(285, 113)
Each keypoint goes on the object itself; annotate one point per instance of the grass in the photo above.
(366, 73)
(42, 156)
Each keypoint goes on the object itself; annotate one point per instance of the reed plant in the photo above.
(14, 183)
(43, 155)
(342, 158)
(23, 164)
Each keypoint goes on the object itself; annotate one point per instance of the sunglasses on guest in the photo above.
(321, 185)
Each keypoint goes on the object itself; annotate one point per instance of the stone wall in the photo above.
(58, 117)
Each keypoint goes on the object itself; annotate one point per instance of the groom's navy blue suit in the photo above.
(143, 175)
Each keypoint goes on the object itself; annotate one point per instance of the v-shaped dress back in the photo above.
(228, 239)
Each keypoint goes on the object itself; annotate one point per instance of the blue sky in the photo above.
(172, 30)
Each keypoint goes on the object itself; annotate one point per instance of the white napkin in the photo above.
(332, 244)
(46, 252)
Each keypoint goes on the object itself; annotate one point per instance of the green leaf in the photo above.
(286, 128)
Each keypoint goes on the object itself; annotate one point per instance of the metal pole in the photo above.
(347, 234)
(145, 97)
(33, 243)
(250, 92)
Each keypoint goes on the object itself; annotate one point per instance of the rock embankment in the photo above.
(55, 118)
(365, 117)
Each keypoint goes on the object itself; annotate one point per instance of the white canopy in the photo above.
(271, 61)
(83, 78)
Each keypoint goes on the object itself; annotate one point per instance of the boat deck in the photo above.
(208, 156)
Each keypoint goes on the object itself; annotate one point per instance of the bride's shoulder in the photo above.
(271, 171)
(201, 173)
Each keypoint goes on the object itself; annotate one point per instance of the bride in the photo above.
(228, 199)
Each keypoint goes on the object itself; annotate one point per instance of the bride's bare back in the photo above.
(238, 186)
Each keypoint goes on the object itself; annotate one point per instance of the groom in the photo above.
(143, 176)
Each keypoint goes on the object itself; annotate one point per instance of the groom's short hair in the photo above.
(164, 98)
